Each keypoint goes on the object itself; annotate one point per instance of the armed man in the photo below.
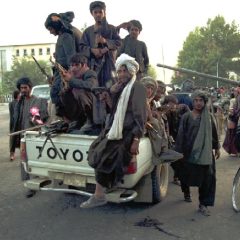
(99, 44)
(65, 48)
(29, 111)
(85, 108)
(118, 143)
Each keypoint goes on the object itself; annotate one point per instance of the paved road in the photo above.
(58, 216)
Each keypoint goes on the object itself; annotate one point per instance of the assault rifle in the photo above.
(55, 127)
(42, 69)
(61, 69)
(27, 129)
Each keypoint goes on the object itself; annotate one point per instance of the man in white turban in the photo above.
(111, 153)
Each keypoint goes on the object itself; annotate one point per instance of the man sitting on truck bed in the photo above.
(78, 100)
(118, 143)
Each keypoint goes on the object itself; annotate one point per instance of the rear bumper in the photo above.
(116, 196)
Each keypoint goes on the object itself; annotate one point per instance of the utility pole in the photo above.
(1, 69)
(217, 71)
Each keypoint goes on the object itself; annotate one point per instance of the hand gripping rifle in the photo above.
(98, 90)
(61, 69)
(49, 78)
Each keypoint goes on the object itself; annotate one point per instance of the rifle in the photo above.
(150, 126)
(98, 90)
(53, 130)
(41, 69)
(61, 69)
(100, 31)
(27, 129)
(56, 127)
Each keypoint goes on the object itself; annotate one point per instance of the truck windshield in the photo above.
(42, 92)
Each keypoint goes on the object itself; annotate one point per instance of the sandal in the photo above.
(12, 157)
(176, 182)
(187, 198)
(204, 210)
(94, 202)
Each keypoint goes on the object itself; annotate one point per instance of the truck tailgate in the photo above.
(73, 150)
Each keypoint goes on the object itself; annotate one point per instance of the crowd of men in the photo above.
(101, 82)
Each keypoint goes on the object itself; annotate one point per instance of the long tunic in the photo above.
(78, 99)
(189, 173)
(22, 117)
(105, 65)
(11, 114)
(111, 157)
(11, 124)
(77, 34)
(65, 48)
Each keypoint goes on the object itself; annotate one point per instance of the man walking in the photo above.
(12, 105)
(196, 138)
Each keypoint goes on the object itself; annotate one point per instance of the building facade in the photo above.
(41, 51)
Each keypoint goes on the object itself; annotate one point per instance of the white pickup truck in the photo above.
(62, 166)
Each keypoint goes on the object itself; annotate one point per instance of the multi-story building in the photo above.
(41, 51)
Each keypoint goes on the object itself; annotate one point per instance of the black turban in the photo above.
(67, 16)
(135, 23)
(188, 85)
(53, 20)
(97, 4)
(200, 94)
(25, 81)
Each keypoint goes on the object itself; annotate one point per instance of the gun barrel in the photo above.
(40, 67)
(185, 70)
(27, 129)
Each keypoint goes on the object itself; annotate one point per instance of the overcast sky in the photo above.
(166, 24)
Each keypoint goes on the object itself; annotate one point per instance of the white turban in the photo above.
(115, 132)
(129, 61)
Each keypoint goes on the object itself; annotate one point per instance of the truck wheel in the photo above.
(159, 177)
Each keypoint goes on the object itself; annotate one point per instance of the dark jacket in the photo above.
(105, 65)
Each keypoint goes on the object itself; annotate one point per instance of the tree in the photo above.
(25, 67)
(83, 28)
(213, 49)
(152, 72)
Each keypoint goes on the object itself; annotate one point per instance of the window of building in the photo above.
(40, 51)
(24, 52)
(48, 51)
(17, 53)
(32, 51)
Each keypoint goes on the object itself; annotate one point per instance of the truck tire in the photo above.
(159, 177)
